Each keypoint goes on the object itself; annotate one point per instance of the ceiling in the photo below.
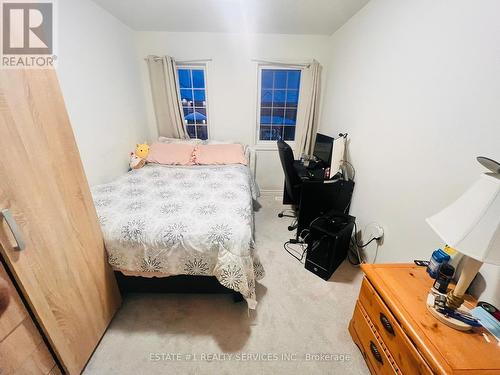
(239, 16)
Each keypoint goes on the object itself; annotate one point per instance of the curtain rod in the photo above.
(157, 58)
(277, 62)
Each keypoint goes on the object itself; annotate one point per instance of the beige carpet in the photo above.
(300, 326)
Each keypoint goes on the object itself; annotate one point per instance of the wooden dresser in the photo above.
(396, 334)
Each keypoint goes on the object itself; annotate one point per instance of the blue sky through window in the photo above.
(279, 99)
(192, 90)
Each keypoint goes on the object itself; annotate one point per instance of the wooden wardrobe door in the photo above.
(22, 350)
(63, 270)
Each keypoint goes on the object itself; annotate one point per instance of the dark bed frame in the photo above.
(173, 284)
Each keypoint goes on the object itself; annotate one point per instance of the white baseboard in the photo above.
(266, 192)
(277, 195)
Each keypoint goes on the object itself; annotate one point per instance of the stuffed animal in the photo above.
(142, 150)
(138, 158)
(136, 162)
(4, 296)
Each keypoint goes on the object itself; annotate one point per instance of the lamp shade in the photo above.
(472, 223)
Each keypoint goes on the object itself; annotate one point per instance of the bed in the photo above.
(161, 220)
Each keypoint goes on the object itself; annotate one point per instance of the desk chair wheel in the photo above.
(288, 213)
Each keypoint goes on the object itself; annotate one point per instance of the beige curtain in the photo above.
(166, 101)
(307, 118)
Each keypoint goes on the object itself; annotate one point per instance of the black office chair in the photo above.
(292, 180)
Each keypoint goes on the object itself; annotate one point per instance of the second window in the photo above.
(279, 100)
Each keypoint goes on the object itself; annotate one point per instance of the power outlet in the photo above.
(378, 232)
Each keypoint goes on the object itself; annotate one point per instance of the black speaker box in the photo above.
(328, 243)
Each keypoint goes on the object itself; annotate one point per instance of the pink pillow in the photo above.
(220, 154)
(171, 153)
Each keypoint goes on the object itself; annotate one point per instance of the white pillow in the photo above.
(178, 140)
(215, 142)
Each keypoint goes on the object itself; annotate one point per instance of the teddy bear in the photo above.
(138, 158)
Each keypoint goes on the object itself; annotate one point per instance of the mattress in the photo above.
(159, 221)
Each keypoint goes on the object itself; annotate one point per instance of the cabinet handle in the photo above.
(387, 324)
(11, 222)
(375, 352)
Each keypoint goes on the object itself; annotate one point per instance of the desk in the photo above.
(306, 175)
(317, 174)
(318, 196)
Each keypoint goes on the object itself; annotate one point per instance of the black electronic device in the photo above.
(421, 263)
(318, 197)
(328, 243)
(306, 173)
(313, 164)
(323, 149)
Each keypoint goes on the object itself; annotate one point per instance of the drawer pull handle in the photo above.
(375, 352)
(387, 324)
(11, 222)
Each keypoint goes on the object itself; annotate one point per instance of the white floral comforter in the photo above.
(198, 220)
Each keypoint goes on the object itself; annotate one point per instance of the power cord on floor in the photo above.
(355, 246)
(294, 252)
(299, 254)
(353, 255)
(354, 252)
(366, 244)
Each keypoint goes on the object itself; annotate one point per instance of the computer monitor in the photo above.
(323, 148)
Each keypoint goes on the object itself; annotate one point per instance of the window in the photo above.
(193, 94)
(279, 99)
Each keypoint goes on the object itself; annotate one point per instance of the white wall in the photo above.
(417, 86)
(232, 80)
(100, 78)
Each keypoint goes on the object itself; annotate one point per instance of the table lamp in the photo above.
(471, 225)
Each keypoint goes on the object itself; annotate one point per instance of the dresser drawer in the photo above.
(404, 352)
(378, 358)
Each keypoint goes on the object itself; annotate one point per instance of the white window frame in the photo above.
(197, 66)
(271, 144)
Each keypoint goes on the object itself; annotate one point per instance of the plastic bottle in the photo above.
(455, 256)
(444, 277)
(438, 257)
